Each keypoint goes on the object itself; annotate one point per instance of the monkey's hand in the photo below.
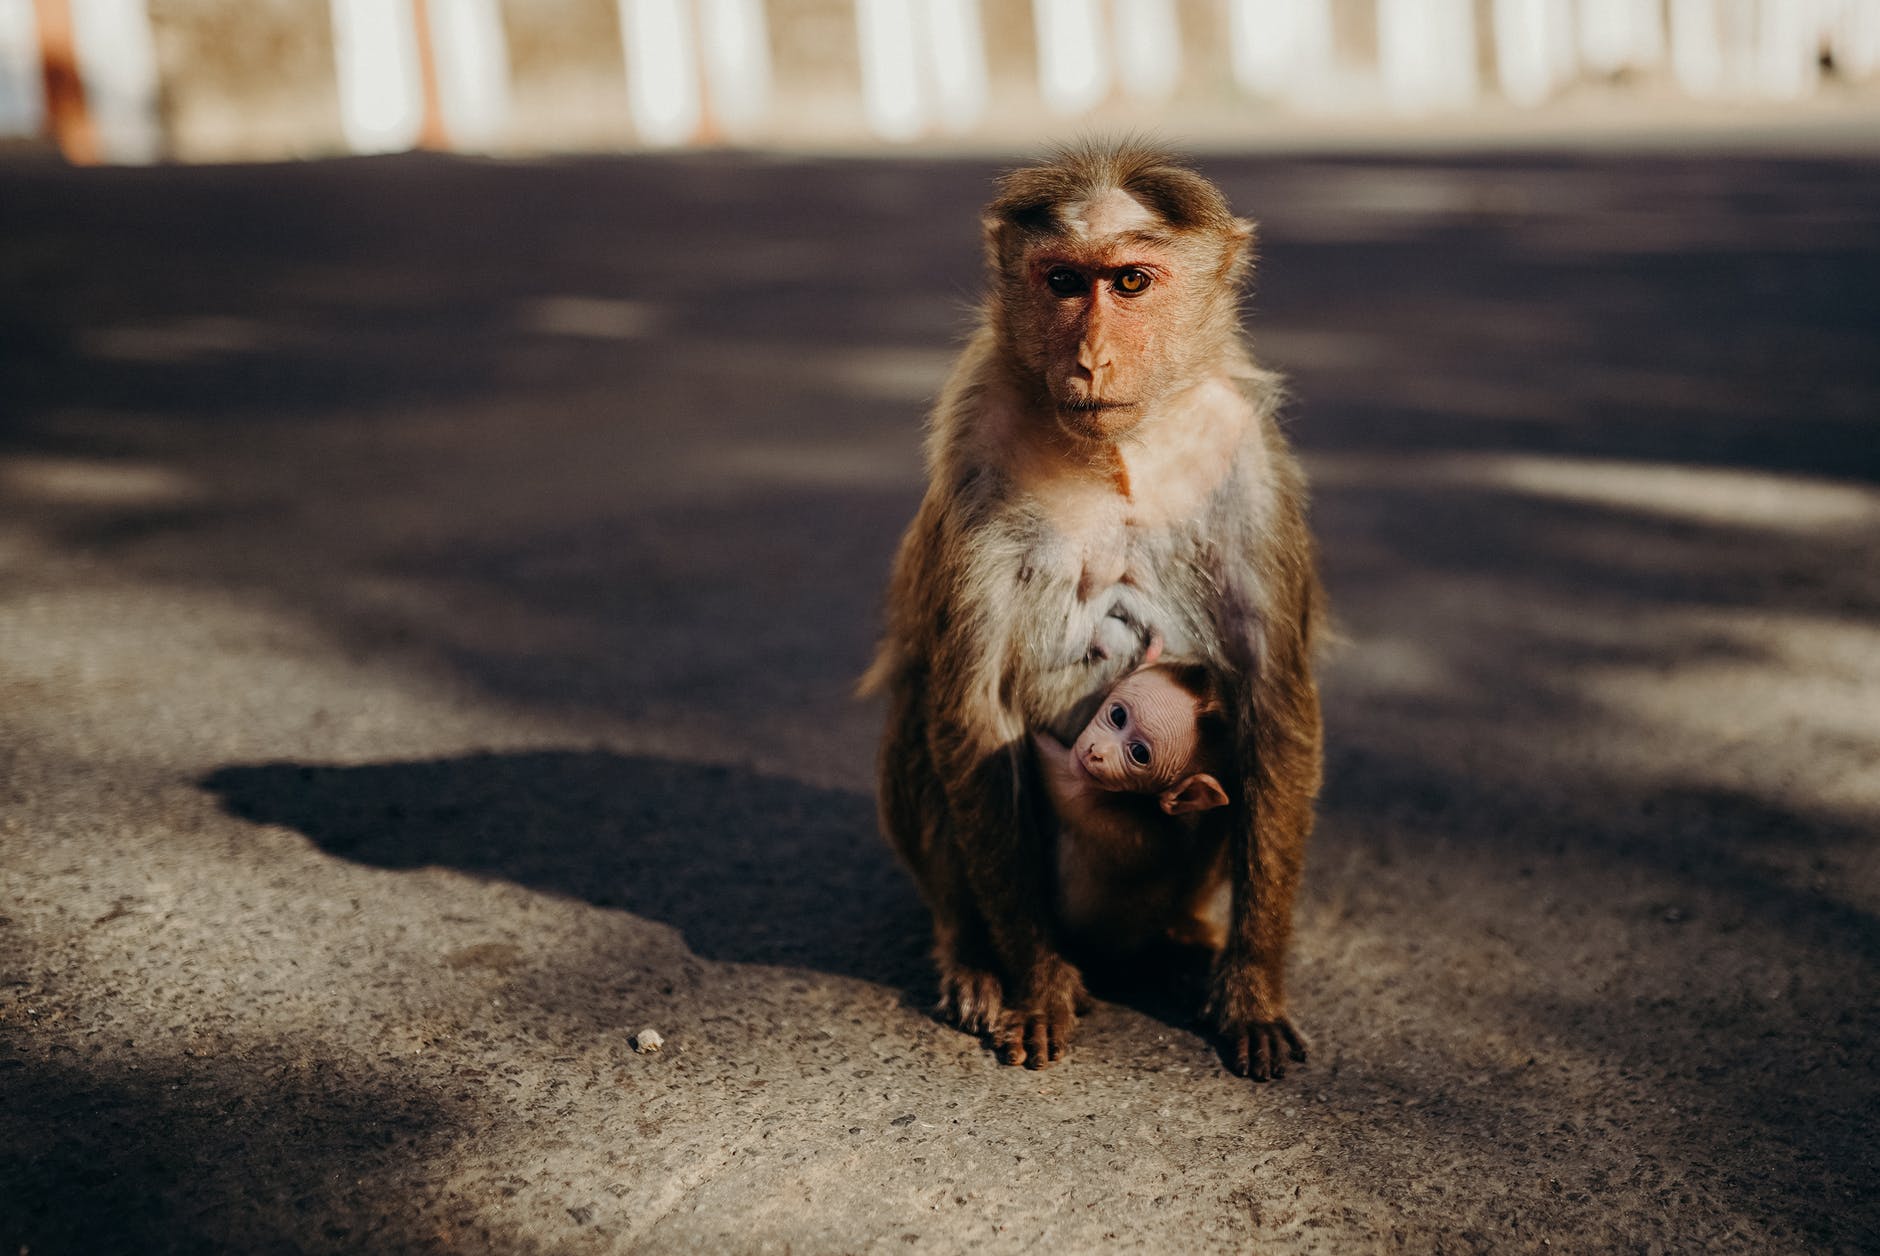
(971, 998)
(1114, 637)
(1252, 1044)
(1038, 1034)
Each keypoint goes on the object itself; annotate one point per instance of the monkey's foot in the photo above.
(1039, 1035)
(971, 998)
(1260, 1049)
(1036, 1039)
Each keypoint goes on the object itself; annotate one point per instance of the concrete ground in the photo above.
(429, 595)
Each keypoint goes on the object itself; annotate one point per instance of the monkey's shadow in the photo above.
(749, 868)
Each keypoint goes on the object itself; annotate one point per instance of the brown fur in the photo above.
(1091, 455)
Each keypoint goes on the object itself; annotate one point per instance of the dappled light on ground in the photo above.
(432, 598)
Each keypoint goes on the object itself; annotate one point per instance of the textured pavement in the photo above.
(429, 596)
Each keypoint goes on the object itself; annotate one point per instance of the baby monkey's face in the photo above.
(1142, 738)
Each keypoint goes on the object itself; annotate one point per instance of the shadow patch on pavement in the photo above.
(415, 281)
(217, 1154)
(749, 868)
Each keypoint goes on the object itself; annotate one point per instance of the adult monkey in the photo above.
(1103, 467)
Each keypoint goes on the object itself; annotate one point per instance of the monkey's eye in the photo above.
(1064, 281)
(1118, 716)
(1132, 282)
(1139, 754)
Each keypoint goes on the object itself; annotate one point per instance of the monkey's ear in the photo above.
(1199, 792)
(1238, 250)
(1152, 651)
(997, 233)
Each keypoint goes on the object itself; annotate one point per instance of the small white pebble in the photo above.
(647, 1040)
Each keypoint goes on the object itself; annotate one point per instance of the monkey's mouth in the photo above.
(1091, 418)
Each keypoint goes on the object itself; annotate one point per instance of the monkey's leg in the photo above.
(906, 786)
(914, 819)
(1247, 999)
(994, 813)
(972, 995)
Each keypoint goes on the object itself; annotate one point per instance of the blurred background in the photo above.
(221, 80)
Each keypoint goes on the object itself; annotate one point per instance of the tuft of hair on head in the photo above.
(1194, 679)
(1030, 200)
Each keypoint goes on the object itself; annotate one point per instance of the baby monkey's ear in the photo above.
(1199, 792)
(1152, 650)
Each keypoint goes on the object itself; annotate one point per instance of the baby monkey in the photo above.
(1140, 860)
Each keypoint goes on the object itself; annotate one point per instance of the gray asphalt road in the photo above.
(429, 592)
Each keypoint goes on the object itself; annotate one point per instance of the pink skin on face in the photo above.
(1142, 738)
(1102, 305)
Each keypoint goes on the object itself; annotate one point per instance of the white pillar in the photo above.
(1260, 45)
(1621, 34)
(1534, 48)
(22, 91)
(956, 46)
(117, 62)
(737, 63)
(472, 69)
(1697, 58)
(1426, 52)
(662, 70)
(1788, 48)
(889, 46)
(1073, 66)
(1856, 39)
(923, 62)
(1280, 48)
(381, 96)
(1742, 43)
(1149, 43)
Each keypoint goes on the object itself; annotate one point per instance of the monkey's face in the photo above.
(1143, 737)
(1096, 328)
(1114, 311)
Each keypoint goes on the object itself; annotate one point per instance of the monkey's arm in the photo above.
(1057, 772)
(1266, 637)
(1053, 755)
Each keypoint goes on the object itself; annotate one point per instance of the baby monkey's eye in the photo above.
(1118, 716)
(1139, 754)
(1132, 282)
